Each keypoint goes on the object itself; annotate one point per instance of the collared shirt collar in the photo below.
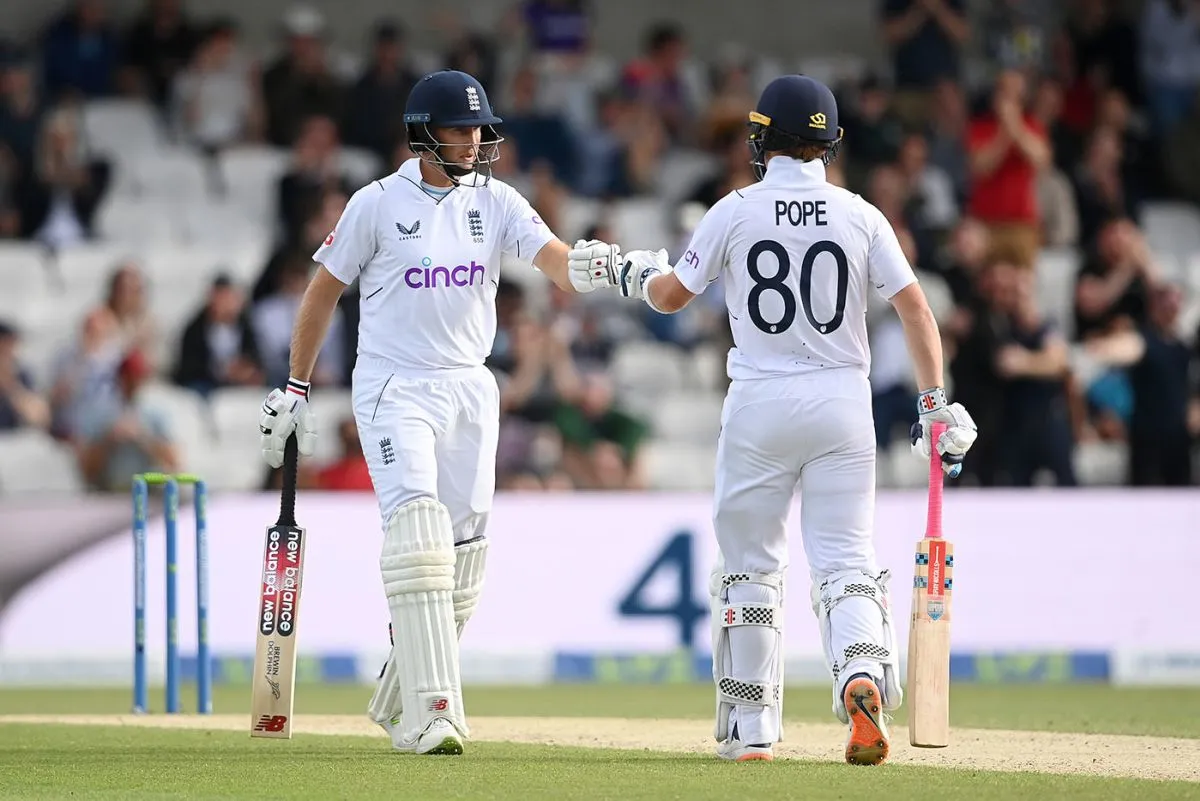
(782, 169)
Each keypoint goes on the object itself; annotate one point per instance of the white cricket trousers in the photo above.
(430, 434)
(814, 433)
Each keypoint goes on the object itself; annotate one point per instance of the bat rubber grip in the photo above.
(933, 523)
(291, 467)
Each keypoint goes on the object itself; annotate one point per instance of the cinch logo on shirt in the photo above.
(428, 277)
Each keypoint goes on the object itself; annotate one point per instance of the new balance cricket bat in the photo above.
(274, 682)
(929, 636)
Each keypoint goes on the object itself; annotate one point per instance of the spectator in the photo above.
(349, 472)
(601, 441)
(315, 170)
(474, 54)
(126, 299)
(1111, 289)
(218, 348)
(375, 108)
(157, 47)
(1099, 188)
(947, 133)
(1105, 47)
(734, 172)
(84, 371)
(541, 134)
(1160, 442)
(1047, 109)
(656, 81)
(1170, 31)
(877, 132)
(300, 85)
(21, 112)
(932, 208)
(733, 94)
(20, 404)
(1018, 34)
(926, 38)
(980, 326)
(316, 228)
(1008, 148)
(59, 199)
(216, 98)
(273, 319)
(80, 53)
(1139, 169)
(120, 436)
(1036, 422)
(620, 157)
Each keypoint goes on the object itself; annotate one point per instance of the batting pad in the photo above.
(417, 564)
(470, 560)
(858, 633)
(746, 656)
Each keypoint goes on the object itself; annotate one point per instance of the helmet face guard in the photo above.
(487, 152)
(765, 138)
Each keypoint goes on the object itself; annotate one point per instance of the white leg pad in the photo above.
(385, 702)
(417, 564)
(858, 633)
(747, 655)
(470, 561)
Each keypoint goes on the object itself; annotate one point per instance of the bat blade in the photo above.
(273, 690)
(929, 633)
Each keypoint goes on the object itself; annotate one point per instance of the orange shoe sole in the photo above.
(868, 744)
(756, 758)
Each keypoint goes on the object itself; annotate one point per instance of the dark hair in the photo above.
(661, 35)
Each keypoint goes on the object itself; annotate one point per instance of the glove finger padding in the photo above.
(593, 264)
(639, 267)
(284, 413)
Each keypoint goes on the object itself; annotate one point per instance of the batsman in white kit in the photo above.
(799, 256)
(425, 244)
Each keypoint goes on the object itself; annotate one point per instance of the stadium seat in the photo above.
(577, 215)
(679, 466)
(1101, 463)
(131, 221)
(681, 171)
(121, 128)
(706, 368)
(190, 423)
(688, 417)
(360, 165)
(1172, 228)
(82, 272)
(648, 368)
(177, 174)
(642, 223)
(1055, 275)
(23, 279)
(32, 461)
(251, 175)
(235, 411)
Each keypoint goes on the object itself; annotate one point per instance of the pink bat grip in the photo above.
(933, 522)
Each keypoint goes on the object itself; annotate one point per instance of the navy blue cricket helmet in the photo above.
(452, 99)
(793, 111)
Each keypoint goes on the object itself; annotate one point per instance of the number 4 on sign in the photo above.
(684, 610)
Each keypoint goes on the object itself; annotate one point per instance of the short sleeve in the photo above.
(524, 232)
(887, 266)
(704, 258)
(351, 244)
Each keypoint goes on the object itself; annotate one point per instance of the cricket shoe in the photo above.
(867, 742)
(439, 737)
(735, 750)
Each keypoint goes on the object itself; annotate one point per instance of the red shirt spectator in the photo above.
(349, 472)
(1008, 193)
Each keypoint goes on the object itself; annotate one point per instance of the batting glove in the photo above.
(954, 442)
(284, 411)
(593, 264)
(639, 267)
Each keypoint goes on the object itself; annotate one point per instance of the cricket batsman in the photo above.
(799, 256)
(425, 244)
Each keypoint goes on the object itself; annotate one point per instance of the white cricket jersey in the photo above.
(798, 254)
(428, 268)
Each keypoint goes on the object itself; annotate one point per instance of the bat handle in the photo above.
(291, 465)
(933, 523)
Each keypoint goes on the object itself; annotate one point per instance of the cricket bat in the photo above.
(273, 691)
(929, 635)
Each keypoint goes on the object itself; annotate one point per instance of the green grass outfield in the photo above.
(111, 762)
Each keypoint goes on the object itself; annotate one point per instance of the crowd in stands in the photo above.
(1081, 118)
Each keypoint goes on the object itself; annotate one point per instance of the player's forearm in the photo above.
(924, 347)
(312, 323)
(552, 261)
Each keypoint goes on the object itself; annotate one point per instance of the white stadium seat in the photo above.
(648, 368)
(189, 421)
(178, 174)
(32, 461)
(121, 128)
(681, 467)
(24, 280)
(138, 222)
(251, 174)
(688, 417)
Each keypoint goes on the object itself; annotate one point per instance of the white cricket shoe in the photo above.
(439, 737)
(735, 750)
(867, 742)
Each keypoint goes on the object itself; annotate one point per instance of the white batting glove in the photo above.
(285, 411)
(954, 442)
(593, 264)
(639, 267)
